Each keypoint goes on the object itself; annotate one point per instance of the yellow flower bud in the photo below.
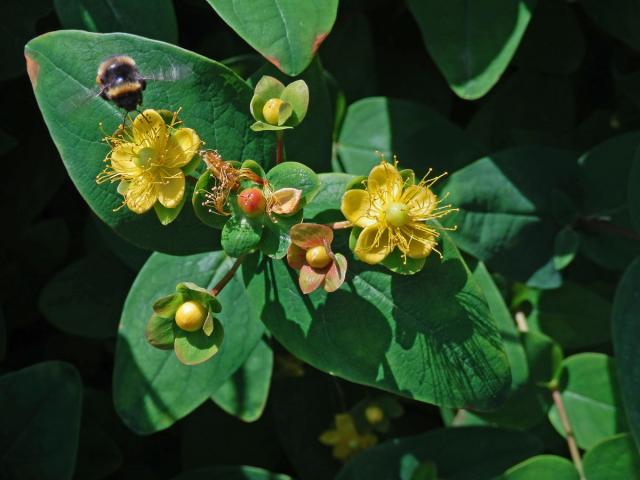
(374, 414)
(318, 257)
(271, 110)
(191, 316)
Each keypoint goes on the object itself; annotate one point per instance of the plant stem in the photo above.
(603, 226)
(192, 180)
(339, 225)
(571, 439)
(227, 276)
(279, 147)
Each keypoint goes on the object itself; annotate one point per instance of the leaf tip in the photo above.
(317, 42)
(33, 69)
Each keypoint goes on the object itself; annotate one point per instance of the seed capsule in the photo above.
(318, 257)
(191, 316)
(271, 110)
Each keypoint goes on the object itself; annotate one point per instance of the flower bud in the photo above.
(317, 257)
(374, 414)
(271, 110)
(252, 202)
(190, 316)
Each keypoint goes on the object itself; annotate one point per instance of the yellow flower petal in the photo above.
(419, 239)
(420, 200)
(356, 207)
(182, 145)
(149, 129)
(171, 187)
(122, 160)
(329, 437)
(385, 182)
(141, 194)
(373, 245)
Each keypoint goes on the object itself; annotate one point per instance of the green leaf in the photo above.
(205, 213)
(626, 332)
(230, 473)
(151, 388)
(120, 16)
(506, 216)
(63, 65)
(86, 297)
(441, 346)
(454, 33)
(544, 357)
(615, 458)
(603, 170)
(241, 235)
(465, 453)
(565, 247)
(160, 332)
(633, 193)
(294, 175)
(617, 17)
(244, 395)
(418, 135)
(39, 435)
(542, 467)
(167, 215)
(325, 206)
(193, 348)
(287, 33)
(591, 397)
(574, 316)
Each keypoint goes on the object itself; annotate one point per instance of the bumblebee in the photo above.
(120, 82)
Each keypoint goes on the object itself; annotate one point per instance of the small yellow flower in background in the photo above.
(392, 213)
(147, 159)
(345, 438)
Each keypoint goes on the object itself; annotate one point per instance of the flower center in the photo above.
(145, 155)
(318, 257)
(397, 214)
(271, 110)
(191, 316)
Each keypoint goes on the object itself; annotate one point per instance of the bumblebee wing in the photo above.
(80, 99)
(170, 74)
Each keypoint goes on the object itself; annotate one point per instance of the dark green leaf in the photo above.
(193, 348)
(626, 335)
(241, 236)
(294, 175)
(615, 458)
(565, 247)
(230, 473)
(591, 397)
(418, 135)
(506, 216)
(63, 65)
(287, 33)
(245, 393)
(39, 435)
(616, 17)
(441, 346)
(86, 297)
(325, 206)
(151, 388)
(465, 453)
(455, 36)
(149, 18)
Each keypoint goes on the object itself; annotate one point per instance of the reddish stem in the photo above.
(227, 276)
(279, 147)
(597, 225)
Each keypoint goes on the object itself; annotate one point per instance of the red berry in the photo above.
(251, 201)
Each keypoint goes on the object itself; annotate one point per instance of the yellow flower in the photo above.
(345, 439)
(147, 159)
(392, 213)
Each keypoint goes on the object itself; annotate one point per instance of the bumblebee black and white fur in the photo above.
(120, 82)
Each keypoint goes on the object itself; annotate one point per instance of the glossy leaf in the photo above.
(418, 135)
(542, 467)
(393, 339)
(615, 458)
(245, 393)
(507, 216)
(151, 388)
(325, 206)
(286, 32)
(120, 16)
(591, 397)
(465, 453)
(626, 335)
(62, 66)
(455, 34)
(39, 435)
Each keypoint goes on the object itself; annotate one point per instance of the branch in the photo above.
(571, 439)
(227, 276)
(604, 226)
(279, 147)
